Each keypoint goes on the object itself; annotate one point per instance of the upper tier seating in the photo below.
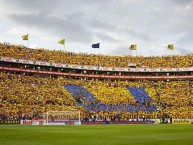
(20, 52)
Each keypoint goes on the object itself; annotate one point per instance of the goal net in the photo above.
(62, 117)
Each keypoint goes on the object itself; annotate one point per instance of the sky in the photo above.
(115, 24)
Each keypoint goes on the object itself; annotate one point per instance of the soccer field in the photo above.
(97, 135)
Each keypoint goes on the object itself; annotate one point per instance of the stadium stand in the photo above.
(25, 95)
(20, 52)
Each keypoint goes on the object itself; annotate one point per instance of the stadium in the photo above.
(55, 88)
(99, 73)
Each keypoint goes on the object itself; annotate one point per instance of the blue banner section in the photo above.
(85, 98)
(140, 94)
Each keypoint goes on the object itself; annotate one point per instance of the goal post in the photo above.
(62, 117)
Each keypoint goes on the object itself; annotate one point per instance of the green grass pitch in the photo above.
(96, 135)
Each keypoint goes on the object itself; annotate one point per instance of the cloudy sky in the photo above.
(115, 24)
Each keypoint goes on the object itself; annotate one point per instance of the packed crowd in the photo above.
(24, 96)
(175, 98)
(20, 52)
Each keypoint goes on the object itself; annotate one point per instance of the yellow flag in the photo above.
(62, 41)
(25, 37)
(171, 46)
(133, 47)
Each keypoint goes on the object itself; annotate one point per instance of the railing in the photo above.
(94, 76)
(95, 68)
